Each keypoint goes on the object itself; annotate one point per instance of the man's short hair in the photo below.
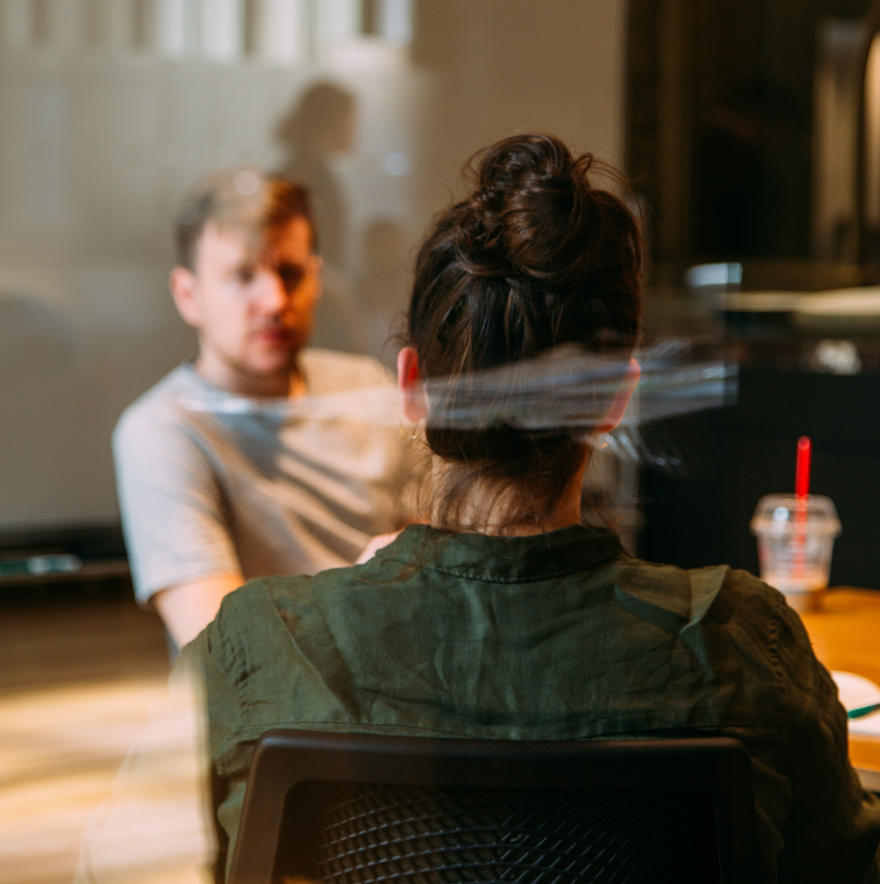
(244, 198)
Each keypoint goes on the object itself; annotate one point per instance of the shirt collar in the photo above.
(503, 559)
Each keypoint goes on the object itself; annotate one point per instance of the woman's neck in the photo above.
(502, 509)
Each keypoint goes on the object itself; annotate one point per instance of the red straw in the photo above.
(802, 470)
(801, 493)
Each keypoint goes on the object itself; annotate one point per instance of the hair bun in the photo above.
(524, 163)
(530, 204)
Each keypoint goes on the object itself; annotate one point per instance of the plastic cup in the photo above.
(795, 539)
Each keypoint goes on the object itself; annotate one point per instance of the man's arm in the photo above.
(377, 542)
(182, 555)
(186, 609)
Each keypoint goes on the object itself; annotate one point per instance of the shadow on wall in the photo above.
(30, 326)
(65, 377)
(37, 357)
(382, 286)
(321, 125)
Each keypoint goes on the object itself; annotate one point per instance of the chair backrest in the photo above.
(363, 807)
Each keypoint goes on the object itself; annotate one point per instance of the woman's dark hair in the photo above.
(534, 259)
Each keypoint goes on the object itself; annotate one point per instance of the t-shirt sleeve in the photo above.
(171, 503)
(835, 824)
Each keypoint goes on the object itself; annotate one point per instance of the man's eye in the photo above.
(245, 275)
(291, 275)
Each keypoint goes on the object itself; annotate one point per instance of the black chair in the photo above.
(363, 807)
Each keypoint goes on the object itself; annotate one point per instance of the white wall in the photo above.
(102, 136)
(509, 65)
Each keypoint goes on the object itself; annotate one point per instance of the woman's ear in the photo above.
(409, 381)
(622, 397)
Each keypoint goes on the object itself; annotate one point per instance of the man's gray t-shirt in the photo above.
(211, 483)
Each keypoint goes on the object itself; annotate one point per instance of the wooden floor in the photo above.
(79, 673)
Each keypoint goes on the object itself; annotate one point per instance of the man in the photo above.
(249, 461)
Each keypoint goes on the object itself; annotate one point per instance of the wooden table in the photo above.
(845, 632)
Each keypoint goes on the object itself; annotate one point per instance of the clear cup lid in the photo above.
(778, 513)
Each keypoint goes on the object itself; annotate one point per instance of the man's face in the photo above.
(252, 301)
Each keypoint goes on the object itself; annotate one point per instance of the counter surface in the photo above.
(845, 632)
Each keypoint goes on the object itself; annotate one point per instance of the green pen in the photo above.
(859, 711)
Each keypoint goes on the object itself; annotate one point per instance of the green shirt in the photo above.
(558, 636)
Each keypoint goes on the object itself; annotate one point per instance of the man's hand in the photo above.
(376, 543)
(186, 609)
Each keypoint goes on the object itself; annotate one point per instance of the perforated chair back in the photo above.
(353, 808)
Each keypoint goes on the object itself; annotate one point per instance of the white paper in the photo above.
(856, 691)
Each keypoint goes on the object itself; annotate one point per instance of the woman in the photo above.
(505, 616)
